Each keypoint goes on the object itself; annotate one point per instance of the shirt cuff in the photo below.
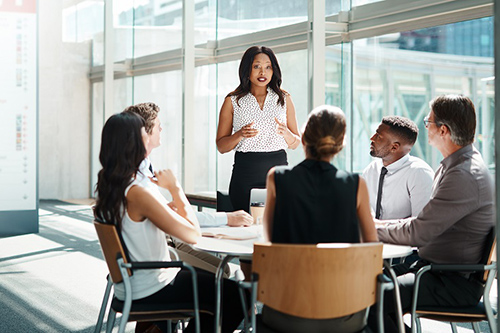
(211, 219)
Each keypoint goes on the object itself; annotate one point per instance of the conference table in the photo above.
(238, 243)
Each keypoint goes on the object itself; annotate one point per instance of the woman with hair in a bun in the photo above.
(314, 202)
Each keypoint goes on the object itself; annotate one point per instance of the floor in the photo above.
(54, 281)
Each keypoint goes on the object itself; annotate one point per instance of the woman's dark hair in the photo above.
(246, 68)
(122, 151)
(324, 132)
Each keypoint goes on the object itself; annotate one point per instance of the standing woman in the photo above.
(258, 121)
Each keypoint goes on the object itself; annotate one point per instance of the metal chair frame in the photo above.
(126, 269)
(454, 315)
(457, 316)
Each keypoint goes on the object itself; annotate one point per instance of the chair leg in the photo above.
(475, 327)
(111, 321)
(492, 324)
(104, 305)
(123, 323)
(418, 325)
(453, 327)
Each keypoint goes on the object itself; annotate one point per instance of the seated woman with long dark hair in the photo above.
(143, 218)
(314, 202)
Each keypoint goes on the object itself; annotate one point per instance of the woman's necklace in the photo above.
(261, 103)
(261, 100)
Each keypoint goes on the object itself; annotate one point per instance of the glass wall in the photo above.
(399, 74)
(164, 90)
(368, 74)
(236, 18)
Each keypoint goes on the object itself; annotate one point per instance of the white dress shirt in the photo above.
(406, 188)
(206, 219)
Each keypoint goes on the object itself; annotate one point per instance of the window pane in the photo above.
(243, 17)
(294, 74)
(332, 7)
(336, 92)
(399, 74)
(96, 127)
(164, 89)
(146, 27)
(227, 81)
(201, 129)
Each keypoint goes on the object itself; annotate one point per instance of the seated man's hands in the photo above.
(239, 218)
(379, 223)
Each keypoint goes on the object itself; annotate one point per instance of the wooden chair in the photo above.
(120, 270)
(318, 282)
(485, 272)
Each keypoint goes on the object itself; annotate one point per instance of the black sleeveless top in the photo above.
(315, 203)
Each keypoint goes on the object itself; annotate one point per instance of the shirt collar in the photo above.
(144, 167)
(453, 158)
(395, 166)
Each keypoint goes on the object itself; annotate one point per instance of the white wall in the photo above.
(64, 109)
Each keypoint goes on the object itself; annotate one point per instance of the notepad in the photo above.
(231, 233)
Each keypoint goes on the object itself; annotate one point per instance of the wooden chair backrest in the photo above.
(317, 281)
(112, 247)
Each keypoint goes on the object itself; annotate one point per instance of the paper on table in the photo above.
(230, 233)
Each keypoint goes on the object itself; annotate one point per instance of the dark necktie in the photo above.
(151, 168)
(379, 194)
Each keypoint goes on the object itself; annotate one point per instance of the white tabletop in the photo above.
(244, 248)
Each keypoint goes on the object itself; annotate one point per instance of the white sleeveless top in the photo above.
(249, 111)
(145, 242)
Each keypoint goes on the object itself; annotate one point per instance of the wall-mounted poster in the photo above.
(18, 117)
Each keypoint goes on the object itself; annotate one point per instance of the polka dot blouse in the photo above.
(249, 111)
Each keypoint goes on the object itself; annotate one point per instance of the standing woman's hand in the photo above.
(291, 124)
(248, 131)
(290, 138)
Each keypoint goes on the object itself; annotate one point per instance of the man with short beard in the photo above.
(404, 188)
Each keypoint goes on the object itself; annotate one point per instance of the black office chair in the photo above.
(485, 272)
(224, 202)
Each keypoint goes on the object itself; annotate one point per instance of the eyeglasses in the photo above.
(427, 121)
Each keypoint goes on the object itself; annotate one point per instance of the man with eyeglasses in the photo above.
(452, 227)
(399, 184)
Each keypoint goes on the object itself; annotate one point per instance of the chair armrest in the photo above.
(154, 264)
(460, 268)
(384, 279)
(449, 268)
(174, 253)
